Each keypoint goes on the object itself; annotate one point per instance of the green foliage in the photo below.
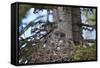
(92, 18)
(82, 53)
(26, 52)
(90, 15)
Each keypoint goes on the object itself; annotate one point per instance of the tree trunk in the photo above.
(59, 42)
(77, 29)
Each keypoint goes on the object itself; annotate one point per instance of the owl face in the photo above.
(59, 35)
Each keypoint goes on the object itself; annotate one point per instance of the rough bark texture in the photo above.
(76, 28)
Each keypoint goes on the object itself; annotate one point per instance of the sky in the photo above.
(87, 34)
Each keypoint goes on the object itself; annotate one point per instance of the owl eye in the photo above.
(56, 33)
(62, 35)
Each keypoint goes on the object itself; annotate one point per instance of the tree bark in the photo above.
(77, 29)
